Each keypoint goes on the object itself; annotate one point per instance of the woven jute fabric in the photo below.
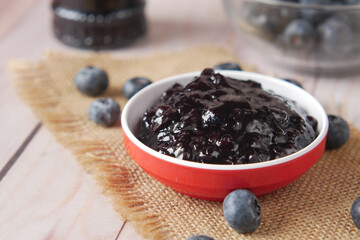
(316, 206)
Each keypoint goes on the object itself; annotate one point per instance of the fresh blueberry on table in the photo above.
(336, 36)
(297, 83)
(339, 132)
(91, 81)
(134, 85)
(355, 212)
(228, 66)
(299, 34)
(200, 237)
(242, 211)
(104, 111)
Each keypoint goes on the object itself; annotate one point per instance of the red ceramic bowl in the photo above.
(213, 181)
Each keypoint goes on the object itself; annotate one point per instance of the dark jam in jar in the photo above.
(98, 24)
(215, 119)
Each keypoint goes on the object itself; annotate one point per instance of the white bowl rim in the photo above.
(242, 74)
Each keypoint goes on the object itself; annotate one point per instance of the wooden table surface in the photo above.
(43, 192)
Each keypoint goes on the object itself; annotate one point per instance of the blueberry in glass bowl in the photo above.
(208, 179)
(309, 35)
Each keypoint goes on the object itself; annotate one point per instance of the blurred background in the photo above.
(251, 30)
(264, 33)
(26, 29)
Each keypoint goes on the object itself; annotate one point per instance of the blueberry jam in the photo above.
(219, 120)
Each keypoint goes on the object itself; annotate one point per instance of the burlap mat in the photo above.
(316, 206)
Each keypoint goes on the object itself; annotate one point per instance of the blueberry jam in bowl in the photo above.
(208, 133)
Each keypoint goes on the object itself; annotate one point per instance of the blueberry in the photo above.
(200, 237)
(265, 21)
(104, 111)
(293, 82)
(336, 36)
(242, 211)
(317, 2)
(91, 81)
(315, 15)
(355, 212)
(209, 154)
(228, 66)
(226, 142)
(299, 34)
(349, 2)
(313, 122)
(134, 85)
(209, 118)
(256, 126)
(338, 133)
(281, 117)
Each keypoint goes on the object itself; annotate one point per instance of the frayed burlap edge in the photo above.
(90, 155)
(34, 83)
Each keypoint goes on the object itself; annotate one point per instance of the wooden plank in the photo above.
(22, 40)
(128, 232)
(340, 96)
(13, 12)
(16, 122)
(46, 195)
(20, 150)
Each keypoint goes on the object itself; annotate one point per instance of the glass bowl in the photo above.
(293, 34)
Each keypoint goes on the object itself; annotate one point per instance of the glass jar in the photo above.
(98, 24)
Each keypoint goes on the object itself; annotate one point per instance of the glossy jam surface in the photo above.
(215, 119)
